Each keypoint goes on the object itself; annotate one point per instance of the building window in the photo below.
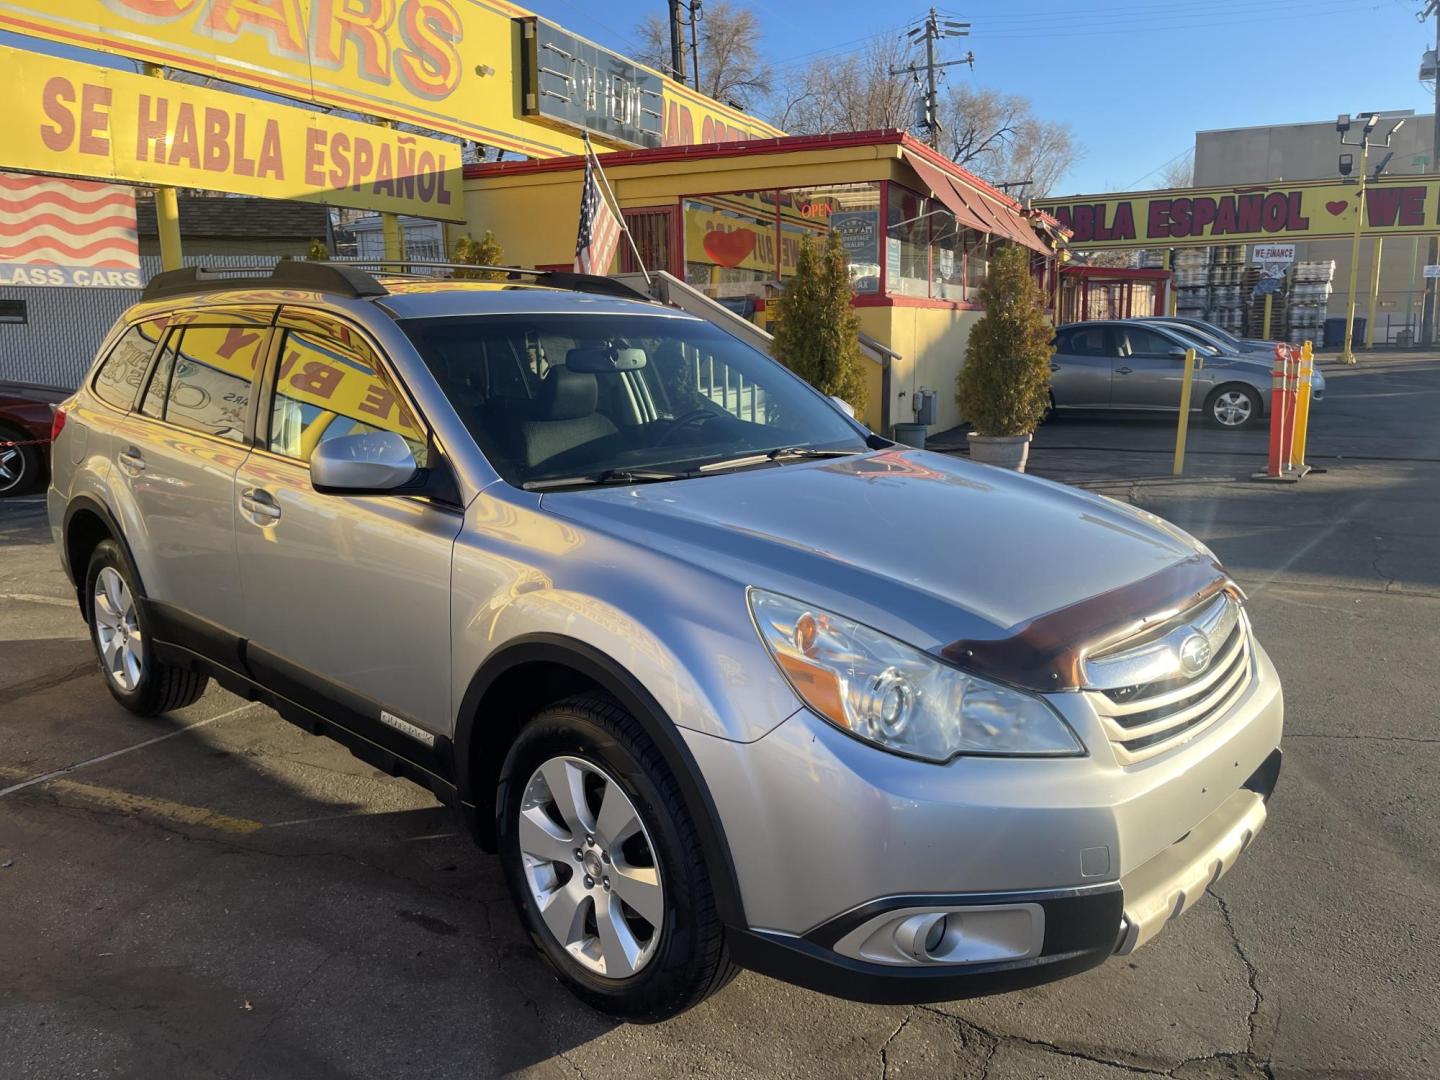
(852, 210)
(730, 244)
(907, 243)
(423, 242)
(13, 311)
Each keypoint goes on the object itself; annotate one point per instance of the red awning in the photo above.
(974, 210)
(939, 184)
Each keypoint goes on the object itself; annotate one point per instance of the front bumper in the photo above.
(1082, 927)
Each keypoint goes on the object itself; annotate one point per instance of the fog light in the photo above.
(960, 934)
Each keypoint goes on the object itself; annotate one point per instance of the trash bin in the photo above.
(910, 435)
(1334, 333)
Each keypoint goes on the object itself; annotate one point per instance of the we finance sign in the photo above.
(1297, 211)
(68, 117)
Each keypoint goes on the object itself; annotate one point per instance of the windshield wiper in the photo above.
(760, 457)
(608, 476)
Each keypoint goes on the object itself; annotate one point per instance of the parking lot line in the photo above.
(117, 753)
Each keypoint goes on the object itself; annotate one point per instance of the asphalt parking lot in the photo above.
(216, 894)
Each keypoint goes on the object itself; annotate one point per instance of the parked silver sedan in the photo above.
(1139, 366)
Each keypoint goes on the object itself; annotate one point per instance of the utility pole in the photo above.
(695, 14)
(677, 44)
(932, 29)
(1427, 317)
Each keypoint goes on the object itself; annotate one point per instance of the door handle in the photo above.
(1123, 370)
(260, 505)
(131, 461)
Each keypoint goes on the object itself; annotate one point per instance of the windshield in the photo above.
(552, 396)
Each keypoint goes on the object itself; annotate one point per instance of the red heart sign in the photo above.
(1337, 208)
(729, 249)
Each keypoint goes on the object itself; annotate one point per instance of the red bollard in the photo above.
(1282, 414)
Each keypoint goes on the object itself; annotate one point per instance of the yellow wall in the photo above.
(931, 344)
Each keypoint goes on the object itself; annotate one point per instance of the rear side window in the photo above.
(1087, 341)
(210, 384)
(120, 374)
(330, 383)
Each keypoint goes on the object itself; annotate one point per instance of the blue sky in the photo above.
(1135, 79)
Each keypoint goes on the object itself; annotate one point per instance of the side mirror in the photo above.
(372, 463)
(843, 406)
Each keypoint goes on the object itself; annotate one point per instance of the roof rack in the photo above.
(354, 279)
(287, 274)
(554, 279)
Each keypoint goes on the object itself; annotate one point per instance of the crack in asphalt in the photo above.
(1252, 975)
(1376, 738)
(885, 1046)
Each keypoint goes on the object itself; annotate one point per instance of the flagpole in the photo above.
(614, 204)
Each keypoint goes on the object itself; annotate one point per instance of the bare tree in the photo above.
(855, 92)
(1179, 173)
(731, 68)
(998, 137)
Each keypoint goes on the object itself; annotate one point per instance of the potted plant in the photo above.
(1003, 387)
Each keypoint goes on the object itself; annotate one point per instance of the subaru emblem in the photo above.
(1194, 654)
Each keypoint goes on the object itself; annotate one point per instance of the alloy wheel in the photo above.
(117, 630)
(12, 468)
(1232, 408)
(591, 867)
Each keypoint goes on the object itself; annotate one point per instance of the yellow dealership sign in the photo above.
(1279, 212)
(69, 117)
(447, 65)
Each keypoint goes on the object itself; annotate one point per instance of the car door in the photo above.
(347, 599)
(1150, 369)
(175, 459)
(1080, 369)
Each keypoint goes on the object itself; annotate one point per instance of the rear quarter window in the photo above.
(119, 376)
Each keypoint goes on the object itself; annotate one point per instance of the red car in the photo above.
(25, 435)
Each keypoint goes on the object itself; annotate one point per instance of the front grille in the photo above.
(1162, 706)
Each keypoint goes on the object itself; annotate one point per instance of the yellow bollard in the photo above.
(1302, 409)
(1192, 363)
(1269, 304)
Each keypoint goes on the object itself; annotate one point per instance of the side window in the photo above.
(210, 384)
(1087, 341)
(1148, 343)
(330, 383)
(118, 380)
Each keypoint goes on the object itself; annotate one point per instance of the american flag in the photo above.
(599, 231)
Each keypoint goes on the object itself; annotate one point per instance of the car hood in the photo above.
(925, 546)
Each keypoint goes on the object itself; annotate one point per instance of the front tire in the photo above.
(604, 863)
(120, 632)
(1233, 407)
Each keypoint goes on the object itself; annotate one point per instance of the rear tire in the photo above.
(22, 468)
(1233, 407)
(120, 632)
(670, 945)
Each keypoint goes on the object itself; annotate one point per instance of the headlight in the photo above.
(897, 697)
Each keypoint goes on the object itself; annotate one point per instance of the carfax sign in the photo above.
(1276, 213)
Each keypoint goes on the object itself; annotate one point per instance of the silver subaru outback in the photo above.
(726, 680)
